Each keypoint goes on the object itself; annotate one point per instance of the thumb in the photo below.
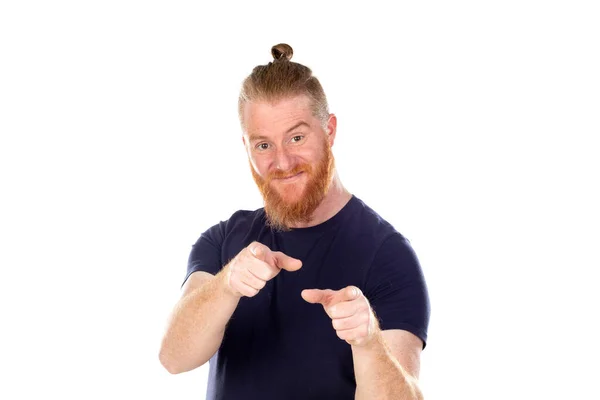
(260, 251)
(317, 295)
(286, 262)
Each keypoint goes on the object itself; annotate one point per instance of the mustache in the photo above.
(277, 174)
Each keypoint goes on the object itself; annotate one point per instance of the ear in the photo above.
(331, 128)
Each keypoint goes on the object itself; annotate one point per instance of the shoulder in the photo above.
(392, 251)
(395, 284)
(222, 241)
(245, 218)
(382, 246)
(372, 225)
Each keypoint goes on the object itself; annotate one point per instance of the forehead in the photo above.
(263, 117)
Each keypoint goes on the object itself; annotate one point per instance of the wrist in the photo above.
(224, 278)
(374, 341)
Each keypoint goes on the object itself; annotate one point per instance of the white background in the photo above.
(469, 125)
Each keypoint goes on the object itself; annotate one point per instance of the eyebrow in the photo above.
(260, 137)
(298, 125)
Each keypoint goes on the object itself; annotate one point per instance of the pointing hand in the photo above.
(350, 313)
(250, 270)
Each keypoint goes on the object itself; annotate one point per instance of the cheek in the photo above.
(260, 165)
(312, 160)
(306, 156)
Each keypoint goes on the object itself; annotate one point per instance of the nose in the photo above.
(283, 160)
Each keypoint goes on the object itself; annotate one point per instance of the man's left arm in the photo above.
(386, 363)
(388, 366)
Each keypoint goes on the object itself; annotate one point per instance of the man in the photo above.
(250, 301)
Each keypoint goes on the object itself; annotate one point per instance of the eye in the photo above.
(262, 146)
(297, 138)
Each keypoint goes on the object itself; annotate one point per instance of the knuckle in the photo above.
(364, 306)
(264, 272)
(333, 311)
(337, 324)
(271, 274)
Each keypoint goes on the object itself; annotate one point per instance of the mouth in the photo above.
(290, 178)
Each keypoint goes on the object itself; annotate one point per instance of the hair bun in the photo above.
(282, 52)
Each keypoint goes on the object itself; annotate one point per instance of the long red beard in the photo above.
(283, 212)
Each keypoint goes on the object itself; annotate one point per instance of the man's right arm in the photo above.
(197, 324)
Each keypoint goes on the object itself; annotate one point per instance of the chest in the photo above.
(277, 333)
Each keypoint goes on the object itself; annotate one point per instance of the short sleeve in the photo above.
(397, 290)
(206, 252)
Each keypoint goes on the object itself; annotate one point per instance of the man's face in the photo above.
(290, 157)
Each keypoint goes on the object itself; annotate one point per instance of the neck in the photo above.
(336, 198)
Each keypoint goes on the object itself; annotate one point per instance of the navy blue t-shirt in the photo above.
(276, 345)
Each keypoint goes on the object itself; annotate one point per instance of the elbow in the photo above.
(169, 363)
(414, 389)
(416, 392)
(176, 366)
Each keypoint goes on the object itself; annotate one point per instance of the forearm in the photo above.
(379, 376)
(196, 327)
